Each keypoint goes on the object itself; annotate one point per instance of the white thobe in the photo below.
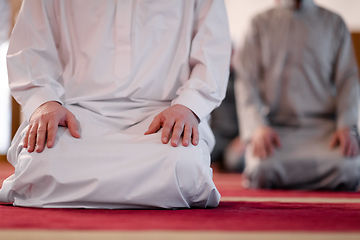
(297, 74)
(115, 65)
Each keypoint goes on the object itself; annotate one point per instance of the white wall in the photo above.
(348, 9)
(5, 102)
(240, 13)
(5, 99)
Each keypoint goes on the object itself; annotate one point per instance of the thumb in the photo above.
(73, 125)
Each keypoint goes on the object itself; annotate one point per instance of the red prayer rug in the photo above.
(258, 213)
(228, 216)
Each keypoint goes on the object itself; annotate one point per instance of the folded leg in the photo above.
(110, 169)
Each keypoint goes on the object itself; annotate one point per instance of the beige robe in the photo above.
(297, 74)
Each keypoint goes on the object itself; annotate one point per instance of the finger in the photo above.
(167, 128)
(255, 149)
(355, 145)
(344, 144)
(195, 135)
(187, 135)
(357, 150)
(52, 129)
(32, 138)
(350, 151)
(26, 138)
(268, 147)
(73, 125)
(333, 141)
(261, 149)
(41, 137)
(154, 126)
(276, 140)
(177, 131)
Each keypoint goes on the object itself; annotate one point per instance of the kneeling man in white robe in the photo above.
(116, 96)
(297, 95)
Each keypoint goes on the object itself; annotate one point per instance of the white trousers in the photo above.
(112, 165)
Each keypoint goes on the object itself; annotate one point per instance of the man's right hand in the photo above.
(264, 141)
(44, 124)
(348, 143)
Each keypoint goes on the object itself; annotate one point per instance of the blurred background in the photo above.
(240, 13)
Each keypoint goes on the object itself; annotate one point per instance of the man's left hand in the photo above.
(348, 143)
(177, 120)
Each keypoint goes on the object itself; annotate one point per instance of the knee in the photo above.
(350, 175)
(37, 165)
(188, 169)
(262, 176)
(28, 160)
(194, 177)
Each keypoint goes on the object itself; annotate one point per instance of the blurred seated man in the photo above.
(297, 95)
(117, 96)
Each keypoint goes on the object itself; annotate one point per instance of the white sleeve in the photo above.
(209, 59)
(33, 65)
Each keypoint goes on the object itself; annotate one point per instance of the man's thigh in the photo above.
(107, 166)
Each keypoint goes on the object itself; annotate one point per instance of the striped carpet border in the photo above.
(173, 235)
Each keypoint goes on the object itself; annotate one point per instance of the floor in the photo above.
(242, 214)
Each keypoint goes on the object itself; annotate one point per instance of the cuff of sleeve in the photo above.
(249, 125)
(39, 97)
(248, 131)
(346, 122)
(195, 102)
